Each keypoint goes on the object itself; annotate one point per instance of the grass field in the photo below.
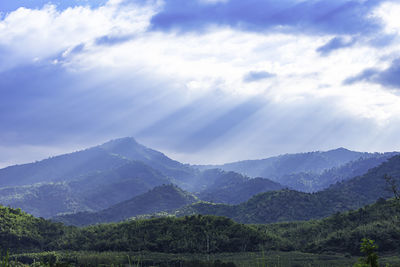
(261, 259)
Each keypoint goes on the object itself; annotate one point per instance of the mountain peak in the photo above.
(120, 141)
(341, 149)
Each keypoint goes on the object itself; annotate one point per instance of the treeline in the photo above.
(21, 232)
(192, 234)
(341, 232)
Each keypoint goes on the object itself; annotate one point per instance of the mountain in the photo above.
(220, 186)
(312, 182)
(160, 198)
(308, 172)
(290, 205)
(130, 149)
(89, 180)
(104, 157)
(215, 185)
(41, 200)
(60, 168)
(99, 177)
(92, 192)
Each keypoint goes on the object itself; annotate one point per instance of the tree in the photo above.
(368, 247)
(392, 186)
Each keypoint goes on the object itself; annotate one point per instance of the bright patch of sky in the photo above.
(203, 81)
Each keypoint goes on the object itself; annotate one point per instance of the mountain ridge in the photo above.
(290, 205)
(160, 198)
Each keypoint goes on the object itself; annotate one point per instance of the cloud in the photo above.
(9, 6)
(254, 76)
(113, 40)
(334, 44)
(86, 74)
(389, 77)
(332, 17)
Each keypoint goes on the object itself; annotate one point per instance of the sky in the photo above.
(204, 81)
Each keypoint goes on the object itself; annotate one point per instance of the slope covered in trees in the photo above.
(219, 186)
(289, 205)
(160, 198)
(20, 231)
(340, 233)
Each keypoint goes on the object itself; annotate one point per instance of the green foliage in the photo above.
(368, 247)
(20, 231)
(193, 234)
(341, 232)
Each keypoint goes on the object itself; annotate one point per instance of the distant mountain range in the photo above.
(97, 178)
(290, 205)
(123, 173)
(308, 172)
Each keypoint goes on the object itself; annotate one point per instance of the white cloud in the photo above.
(214, 62)
(39, 33)
(389, 12)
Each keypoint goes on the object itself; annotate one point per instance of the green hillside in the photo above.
(160, 198)
(20, 231)
(289, 205)
(339, 233)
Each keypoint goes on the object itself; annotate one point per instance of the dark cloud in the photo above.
(389, 77)
(254, 76)
(334, 17)
(334, 44)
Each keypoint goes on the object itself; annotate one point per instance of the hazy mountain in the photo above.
(311, 182)
(311, 171)
(42, 200)
(160, 198)
(97, 178)
(289, 205)
(60, 168)
(104, 157)
(91, 192)
(220, 186)
(132, 150)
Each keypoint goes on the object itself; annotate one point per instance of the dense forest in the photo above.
(339, 233)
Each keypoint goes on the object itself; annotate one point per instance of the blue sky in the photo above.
(205, 81)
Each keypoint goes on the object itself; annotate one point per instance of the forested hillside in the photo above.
(289, 205)
(160, 198)
(219, 186)
(340, 232)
